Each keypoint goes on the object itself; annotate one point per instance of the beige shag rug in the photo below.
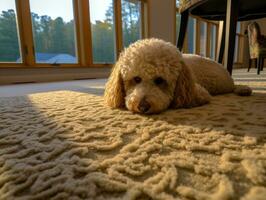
(67, 145)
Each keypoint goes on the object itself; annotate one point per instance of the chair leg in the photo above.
(183, 29)
(258, 65)
(230, 34)
(249, 64)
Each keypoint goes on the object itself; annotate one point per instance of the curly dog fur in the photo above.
(151, 75)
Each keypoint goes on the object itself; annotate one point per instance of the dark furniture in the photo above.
(257, 46)
(229, 11)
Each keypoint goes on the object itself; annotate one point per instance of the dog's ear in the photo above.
(185, 87)
(187, 92)
(114, 95)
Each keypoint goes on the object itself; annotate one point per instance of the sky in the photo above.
(60, 8)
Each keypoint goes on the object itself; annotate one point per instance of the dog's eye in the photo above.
(159, 81)
(137, 79)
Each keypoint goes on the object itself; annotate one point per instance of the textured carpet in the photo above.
(67, 145)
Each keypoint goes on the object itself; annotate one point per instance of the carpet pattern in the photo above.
(67, 145)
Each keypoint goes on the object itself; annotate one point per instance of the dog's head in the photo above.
(149, 76)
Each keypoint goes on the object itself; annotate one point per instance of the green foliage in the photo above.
(53, 36)
(131, 22)
(103, 42)
(103, 32)
(9, 46)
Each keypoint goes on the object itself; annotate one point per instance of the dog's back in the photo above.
(210, 74)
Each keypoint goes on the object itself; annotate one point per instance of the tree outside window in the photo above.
(9, 37)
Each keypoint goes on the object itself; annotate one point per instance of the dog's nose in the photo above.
(144, 106)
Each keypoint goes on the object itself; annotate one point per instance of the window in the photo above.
(177, 3)
(131, 21)
(9, 36)
(178, 20)
(109, 34)
(103, 31)
(68, 33)
(53, 31)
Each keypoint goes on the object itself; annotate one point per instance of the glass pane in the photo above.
(103, 31)
(191, 35)
(213, 42)
(177, 3)
(131, 21)
(178, 20)
(236, 49)
(203, 37)
(53, 31)
(238, 27)
(9, 37)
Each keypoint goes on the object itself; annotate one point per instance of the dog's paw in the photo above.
(242, 90)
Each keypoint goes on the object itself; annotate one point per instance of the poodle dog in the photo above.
(151, 75)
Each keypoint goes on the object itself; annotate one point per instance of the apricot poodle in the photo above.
(151, 75)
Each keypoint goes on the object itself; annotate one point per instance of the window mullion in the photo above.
(85, 33)
(118, 26)
(197, 36)
(26, 34)
(77, 30)
(143, 20)
(84, 37)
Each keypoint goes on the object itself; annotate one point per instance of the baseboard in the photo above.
(30, 75)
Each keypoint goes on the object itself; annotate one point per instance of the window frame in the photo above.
(239, 37)
(83, 39)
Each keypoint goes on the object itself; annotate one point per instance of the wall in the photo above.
(262, 24)
(22, 75)
(162, 15)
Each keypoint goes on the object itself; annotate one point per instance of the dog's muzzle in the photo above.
(144, 106)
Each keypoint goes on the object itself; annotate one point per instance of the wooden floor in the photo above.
(239, 74)
(97, 85)
(256, 82)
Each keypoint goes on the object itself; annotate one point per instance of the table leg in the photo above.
(183, 29)
(230, 33)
